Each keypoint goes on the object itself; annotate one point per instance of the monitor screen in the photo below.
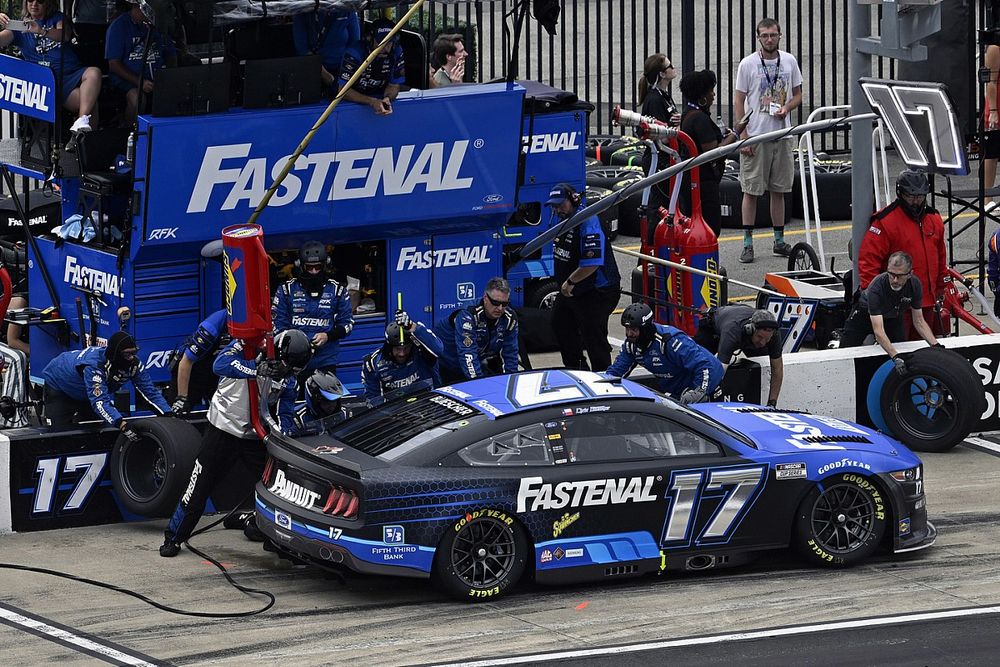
(282, 82)
(187, 91)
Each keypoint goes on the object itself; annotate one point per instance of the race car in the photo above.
(569, 476)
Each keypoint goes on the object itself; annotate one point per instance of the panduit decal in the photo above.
(292, 492)
(340, 175)
(583, 494)
(411, 257)
(552, 143)
(25, 93)
(93, 279)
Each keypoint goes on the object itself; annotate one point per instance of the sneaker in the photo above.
(169, 549)
(81, 124)
(746, 257)
(237, 520)
(782, 249)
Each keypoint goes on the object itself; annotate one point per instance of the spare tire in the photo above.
(630, 156)
(601, 146)
(936, 404)
(149, 476)
(609, 217)
(606, 177)
(628, 209)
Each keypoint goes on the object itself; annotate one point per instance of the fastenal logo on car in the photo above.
(545, 496)
(330, 175)
(25, 93)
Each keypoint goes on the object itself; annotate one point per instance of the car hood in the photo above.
(782, 432)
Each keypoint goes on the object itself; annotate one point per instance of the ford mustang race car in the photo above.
(570, 476)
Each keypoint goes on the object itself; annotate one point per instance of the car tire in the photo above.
(842, 522)
(543, 294)
(602, 146)
(936, 404)
(481, 556)
(803, 258)
(606, 177)
(609, 216)
(149, 476)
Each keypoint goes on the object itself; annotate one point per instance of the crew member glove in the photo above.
(993, 286)
(180, 405)
(402, 319)
(772, 403)
(129, 432)
(270, 368)
(692, 396)
(900, 365)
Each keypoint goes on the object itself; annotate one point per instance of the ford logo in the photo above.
(492, 199)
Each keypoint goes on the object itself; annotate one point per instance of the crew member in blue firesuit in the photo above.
(480, 340)
(229, 435)
(316, 305)
(191, 371)
(81, 381)
(687, 371)
(324, 393)
(409, 355)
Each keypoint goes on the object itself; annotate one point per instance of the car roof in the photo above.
(504, 395)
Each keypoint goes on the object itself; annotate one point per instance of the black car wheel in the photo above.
(842, 521)
(936, 404)
(481, 557)
(543, 295)
(803, 258)
(149, 476)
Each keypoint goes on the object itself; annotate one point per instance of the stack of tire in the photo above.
(619, 160)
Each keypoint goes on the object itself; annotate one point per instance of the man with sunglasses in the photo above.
(880, 307)
(82, 383)
(589, 282)
(480, 340)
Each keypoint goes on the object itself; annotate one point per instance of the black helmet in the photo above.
(640, 315)
(392, 335)
(912, 182)
(291, 347)
(313, 253)
(323, 393)
(120, 353)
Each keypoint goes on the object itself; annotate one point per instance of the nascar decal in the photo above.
(733, 491)
(546, 496)
(790, 471)
(329, 175)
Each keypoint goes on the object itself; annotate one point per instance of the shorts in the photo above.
(991, 146)
(70, 82)
(770, 168)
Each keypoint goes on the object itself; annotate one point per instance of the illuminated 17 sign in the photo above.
(921, 118)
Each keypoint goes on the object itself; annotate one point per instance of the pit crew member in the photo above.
(480, 340)
(192, 372)
(316, 305)
(737, 328)
(880, 310)
(81, 381)
(379, 85)
(324, 393)
(687, 371)
(410, 354)
(229, 435)
(909, 225)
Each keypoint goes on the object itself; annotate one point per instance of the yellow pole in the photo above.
(326, 114)
(399, 306)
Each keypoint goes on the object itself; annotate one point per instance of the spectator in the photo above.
(881, 306)
(909, 225)
(379, 85)
(42, 43)
(17, 334)
(729, 330)
(90, 26)
(230, 436)
(656, 100)
(82, 383)
(769, 84)
(992, 273)
(589, 282)
(480, 340)
(410, 354)
(991, 117)
(315, 304)
(450, 53)
(327, 32)
(686, 370)
(698, 89)
(124, 47)
(192, 373)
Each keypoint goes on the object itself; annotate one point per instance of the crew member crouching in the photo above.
(410, 354)
(480, 340)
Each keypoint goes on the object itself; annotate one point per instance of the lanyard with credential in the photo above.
(777, 72)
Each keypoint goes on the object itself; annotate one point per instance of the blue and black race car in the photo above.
(570, 476)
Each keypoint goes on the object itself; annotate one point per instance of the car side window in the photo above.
(523, 446)
(629, 436)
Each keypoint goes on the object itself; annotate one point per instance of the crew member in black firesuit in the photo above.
(480, 340)
(410, 354)
(737, 328)
(229, 434)
(587, 272)
(316, 305)
(191, 371)
(81, 383)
